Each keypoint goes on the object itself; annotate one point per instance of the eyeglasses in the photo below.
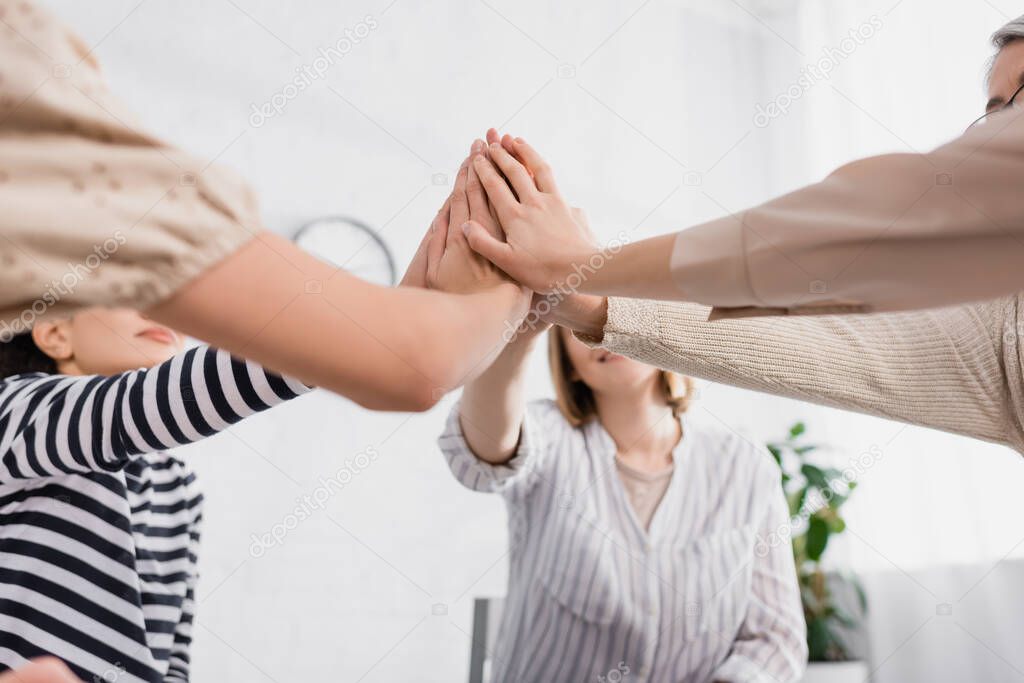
(986, 117)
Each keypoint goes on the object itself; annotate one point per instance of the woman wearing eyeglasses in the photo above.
(903, 231)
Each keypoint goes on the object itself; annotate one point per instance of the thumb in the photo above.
(487, 245)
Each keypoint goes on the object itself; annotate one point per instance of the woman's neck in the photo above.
(641, 424)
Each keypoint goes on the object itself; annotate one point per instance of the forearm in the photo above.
(886, 233)
(584, 314)
(460, 335)
(391, 349)
(639, 270)
(492, 406)
(937, 369)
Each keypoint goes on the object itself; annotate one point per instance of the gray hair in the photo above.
(1010, 32)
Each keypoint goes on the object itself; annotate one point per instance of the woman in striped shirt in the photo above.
(633, 532)
(99, 525)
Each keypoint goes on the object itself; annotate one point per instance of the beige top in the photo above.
(956, 369)
(892, 232)
(95, 210)
(644, 489)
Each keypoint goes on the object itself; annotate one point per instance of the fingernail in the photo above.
(465, 228)
(520, 141)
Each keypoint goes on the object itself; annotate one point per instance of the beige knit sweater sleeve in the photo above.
(954, 369)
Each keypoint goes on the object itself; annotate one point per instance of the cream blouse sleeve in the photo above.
(95, 209)
(887, 233)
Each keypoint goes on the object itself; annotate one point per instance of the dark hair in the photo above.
(21, 355)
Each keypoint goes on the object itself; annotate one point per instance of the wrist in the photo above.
(639, 270)
(512, 298)
(581, 267)
(582, 313)
(523, 342)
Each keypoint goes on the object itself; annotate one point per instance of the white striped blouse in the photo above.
(592, 596)
(98, 526)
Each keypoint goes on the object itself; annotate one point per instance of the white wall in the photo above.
(653, 131)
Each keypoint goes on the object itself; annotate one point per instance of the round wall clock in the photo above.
(351, 245)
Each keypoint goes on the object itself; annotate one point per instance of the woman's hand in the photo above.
(566, 307)
(543, 241)
(579, 312)
(416, 273)
(453, 266)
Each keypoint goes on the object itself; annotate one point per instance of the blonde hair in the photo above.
(576, 400)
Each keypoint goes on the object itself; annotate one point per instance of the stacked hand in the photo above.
(543, 238)
(444, 260)
(506, 223)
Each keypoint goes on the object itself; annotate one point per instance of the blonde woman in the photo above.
(633, 531)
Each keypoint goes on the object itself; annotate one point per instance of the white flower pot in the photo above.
(836, 672)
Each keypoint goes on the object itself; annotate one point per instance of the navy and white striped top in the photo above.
(593, 596)
(98, 526)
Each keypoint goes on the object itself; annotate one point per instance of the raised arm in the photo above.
(492, 406)
(385, 348)
(54, 425)
(492, 442)
(893, 232)
(158, 230)
(950, 369)
(398, 348)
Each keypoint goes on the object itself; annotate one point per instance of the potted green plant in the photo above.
(815, 494)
